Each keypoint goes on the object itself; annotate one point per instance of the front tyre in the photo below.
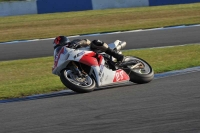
(139, 70)
(78, 84)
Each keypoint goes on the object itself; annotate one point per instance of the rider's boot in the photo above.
(100, 45)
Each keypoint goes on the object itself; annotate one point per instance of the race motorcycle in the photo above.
(82, 70)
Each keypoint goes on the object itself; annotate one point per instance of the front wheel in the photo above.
(138, 69)
(78, 84)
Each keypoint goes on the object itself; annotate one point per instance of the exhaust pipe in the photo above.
(121, 45)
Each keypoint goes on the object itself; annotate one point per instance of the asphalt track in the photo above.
(165, 105)
(135, 39)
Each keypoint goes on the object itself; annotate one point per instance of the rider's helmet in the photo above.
(60, 41)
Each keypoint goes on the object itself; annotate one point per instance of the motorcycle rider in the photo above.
(61, 41)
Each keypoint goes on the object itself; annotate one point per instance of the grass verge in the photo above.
(84, 22)
(33, 76)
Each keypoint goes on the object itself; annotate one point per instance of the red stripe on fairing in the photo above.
(100, 59)
(57, 57)
(89, 59)
(120, 75)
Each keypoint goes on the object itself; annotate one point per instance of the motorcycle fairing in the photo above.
(59, 58)
(67, 55)
(62, 58)
(106, 76)
(89, 59)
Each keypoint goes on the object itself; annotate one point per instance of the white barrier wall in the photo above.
(13, 8)
(105, 4)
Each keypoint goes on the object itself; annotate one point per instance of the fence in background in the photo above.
(51, 6)
(170, 2)
(13, 8)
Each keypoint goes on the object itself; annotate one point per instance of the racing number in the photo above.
(119, 76)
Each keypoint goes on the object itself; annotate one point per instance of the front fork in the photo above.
(76, 70)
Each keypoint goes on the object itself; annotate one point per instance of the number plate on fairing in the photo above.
(120, 75)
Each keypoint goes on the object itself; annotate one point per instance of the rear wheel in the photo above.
(76, 83)
(139, 70)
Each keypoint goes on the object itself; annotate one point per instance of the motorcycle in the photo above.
(82, 70)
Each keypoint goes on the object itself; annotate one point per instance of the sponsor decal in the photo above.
(101, 79)
(79, 54)
(67, 56)
(101, 69)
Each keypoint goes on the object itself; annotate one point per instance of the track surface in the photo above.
(165, 105)
(142, 39)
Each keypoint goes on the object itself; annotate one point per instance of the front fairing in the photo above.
(66, 55)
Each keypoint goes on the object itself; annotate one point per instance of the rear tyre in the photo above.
(78, 84)
(140, 73)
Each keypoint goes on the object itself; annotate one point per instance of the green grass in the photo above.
(33, 76)
(84, 22)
